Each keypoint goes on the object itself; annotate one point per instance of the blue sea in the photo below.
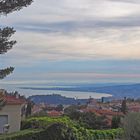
(41, 91)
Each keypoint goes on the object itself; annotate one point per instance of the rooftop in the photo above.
(12, 100)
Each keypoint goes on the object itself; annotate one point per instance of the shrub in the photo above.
(62, 127)
(132, 126)
(23, 135)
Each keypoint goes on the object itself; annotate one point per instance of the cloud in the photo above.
(127, 1)
(44, 78)
(80, 45)
(72, 10)
(75, 30)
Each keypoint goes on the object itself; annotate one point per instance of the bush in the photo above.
(23, 135)
(63, 128)
(59, 131)
(132, 126)
(116, 121)
(56, 131)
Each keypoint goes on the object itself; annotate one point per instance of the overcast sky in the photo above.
(75, 41)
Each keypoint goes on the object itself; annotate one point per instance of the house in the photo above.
(10, 114)
(37, 109)
(133, 107)
(101, 112)
(54, 113)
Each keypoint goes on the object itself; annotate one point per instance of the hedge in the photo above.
(26, 135)
(59, 131)
(23, 135)
(61, 128)
(71, 129)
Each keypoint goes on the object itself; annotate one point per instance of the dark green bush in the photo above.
(23, 135)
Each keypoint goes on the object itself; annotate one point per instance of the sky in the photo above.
(74, 41)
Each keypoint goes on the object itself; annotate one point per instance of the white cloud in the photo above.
(58, 30)
(99, 44)
(72, 10)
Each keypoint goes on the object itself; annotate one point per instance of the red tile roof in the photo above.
(109, 112)
(12, 100)
(103, 112)
(54, 113)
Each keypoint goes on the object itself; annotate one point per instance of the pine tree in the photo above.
(5, 45)
(6, 7)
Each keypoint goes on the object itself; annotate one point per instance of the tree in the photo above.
(124, 106)
(6, 7)
(131, 125)
(88, 120)
(5, 72)
(60, 107)
(29, 107)
(116, 120)
(5, 45)
(2, 99)
(92, 121)
(59, 131)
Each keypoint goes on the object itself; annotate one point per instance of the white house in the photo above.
(10, 114)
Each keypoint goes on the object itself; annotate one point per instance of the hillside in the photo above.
(56, 99)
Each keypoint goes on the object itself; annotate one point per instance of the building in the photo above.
(54, 113)
(10, 114)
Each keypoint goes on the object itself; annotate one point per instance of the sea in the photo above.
(41, 91)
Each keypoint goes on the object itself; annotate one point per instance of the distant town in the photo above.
(69, 69)
(16, 108)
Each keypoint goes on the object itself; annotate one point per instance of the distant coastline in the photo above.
(78, 90)
(69, 94)
(117, 91)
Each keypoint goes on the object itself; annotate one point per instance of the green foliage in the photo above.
(132, 126)
(8, 6)
(5, 72)
(23, 135)
(71, 109)
(42, 113)
(63, 128)
(116, 120)
(87, 119)
(59, 107)
(44, 122)
(5, 43)
(59, 131)
(124, 106)
(29, 109)
(92, 121)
